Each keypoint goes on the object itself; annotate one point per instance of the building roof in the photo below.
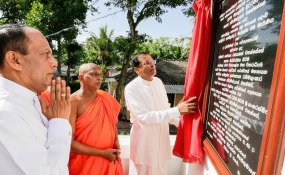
(111, 80)
(64, 71)
(171, 72)
(174, 89)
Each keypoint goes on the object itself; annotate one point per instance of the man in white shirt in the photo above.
(147, 101)
(34, 138)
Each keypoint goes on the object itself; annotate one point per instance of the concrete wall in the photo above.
(175, 165)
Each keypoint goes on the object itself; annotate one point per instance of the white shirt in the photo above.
(27, 146)
(150, 113)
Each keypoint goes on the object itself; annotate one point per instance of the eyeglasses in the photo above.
(149, 62)
(95, 74)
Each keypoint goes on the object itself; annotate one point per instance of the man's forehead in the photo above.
(88, 67)
(144, 57)
(94, 70)
(30, 29)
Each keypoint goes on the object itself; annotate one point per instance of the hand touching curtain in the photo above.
(188, 144)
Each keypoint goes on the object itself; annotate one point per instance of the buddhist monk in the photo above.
(95, 146)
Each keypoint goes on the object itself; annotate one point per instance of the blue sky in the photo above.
(174, 24)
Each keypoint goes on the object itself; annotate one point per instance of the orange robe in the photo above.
(46, 96)
(96, 127)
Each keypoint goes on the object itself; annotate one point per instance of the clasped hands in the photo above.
(59, 106)
(112, 154)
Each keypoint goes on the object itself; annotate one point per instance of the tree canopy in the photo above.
(14, 11)
(60, 21)
(166, 48)
(136, 12)
(99, 48)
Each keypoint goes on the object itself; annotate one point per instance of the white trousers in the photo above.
(136, 169)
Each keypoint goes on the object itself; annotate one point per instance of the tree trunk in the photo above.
(122, 80)
(68, 68)
(59, 57)
(67, 75)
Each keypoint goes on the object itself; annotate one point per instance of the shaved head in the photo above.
(90, 77)
(84, 68)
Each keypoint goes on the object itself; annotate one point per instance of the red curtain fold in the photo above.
(188, 144)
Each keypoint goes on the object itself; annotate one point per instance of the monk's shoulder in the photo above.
(105, 94)
(75, 97)
(108, 97)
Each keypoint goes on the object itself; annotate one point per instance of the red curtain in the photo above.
(188, 144)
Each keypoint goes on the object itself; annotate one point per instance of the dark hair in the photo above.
(12, 38)
(135, 61)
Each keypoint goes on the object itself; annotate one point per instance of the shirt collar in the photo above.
(143, 81)
(16, 89)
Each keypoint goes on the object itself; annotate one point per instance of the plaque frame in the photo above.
(272, 150)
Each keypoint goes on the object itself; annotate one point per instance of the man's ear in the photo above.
(80, 77)
(12, 59)
(136, 70)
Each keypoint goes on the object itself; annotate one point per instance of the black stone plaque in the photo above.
(245, 51)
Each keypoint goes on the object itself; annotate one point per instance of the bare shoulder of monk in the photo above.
(74, 100)
(80, 102)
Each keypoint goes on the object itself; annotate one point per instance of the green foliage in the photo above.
(123, 131)
(138, 10)
(37, 15)
(189, 11)
(72, 57)
(99, 49)
(105, 52)
(90, 51)
(151, 8)
(103, 68)
(166, 48)
(74, 85)
(74, 53)
(104, 86)
(59, 21)
(14, 11)
(125, 46)
(64, 14)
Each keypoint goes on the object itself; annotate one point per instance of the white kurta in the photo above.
(150, 113)
(27, 146)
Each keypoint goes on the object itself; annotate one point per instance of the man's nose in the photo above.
(54, 62)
